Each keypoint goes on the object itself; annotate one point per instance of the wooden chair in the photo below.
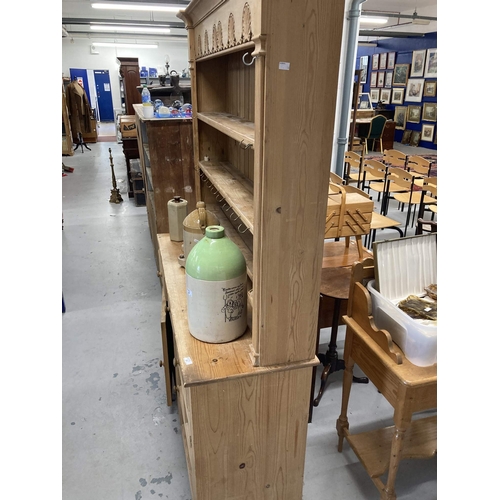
(403, 185)
(375, 132)
(429, 188)
(394, 158)
(420, 167)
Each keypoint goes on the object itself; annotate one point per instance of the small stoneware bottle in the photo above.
(177, 211)
(216, 281)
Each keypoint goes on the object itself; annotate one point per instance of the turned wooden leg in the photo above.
(342, 421)
(402, 423)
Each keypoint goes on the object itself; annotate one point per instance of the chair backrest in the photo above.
(335, 179)
(377, 126)
(352, 161)
(419, 165)
(401, 177)
(375, 168)
(394, 158)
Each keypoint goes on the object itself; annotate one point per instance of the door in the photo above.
(104, 98)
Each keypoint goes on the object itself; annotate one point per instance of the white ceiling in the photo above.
(76, 15)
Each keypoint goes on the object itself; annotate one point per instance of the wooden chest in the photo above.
(347, 214)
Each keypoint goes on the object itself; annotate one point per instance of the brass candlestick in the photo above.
(115, 197)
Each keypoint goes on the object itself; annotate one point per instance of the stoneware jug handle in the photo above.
(202, 215)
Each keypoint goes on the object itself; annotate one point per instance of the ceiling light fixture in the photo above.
(372, 20)
(126, 45)
(128, 29)
(142, 7)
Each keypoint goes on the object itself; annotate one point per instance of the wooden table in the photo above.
(408, 388)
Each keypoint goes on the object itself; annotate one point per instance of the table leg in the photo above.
(330, 360)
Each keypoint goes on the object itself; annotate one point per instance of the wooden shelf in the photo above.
(233, 126)
(201, 362)
(236, 189)
(374, 448)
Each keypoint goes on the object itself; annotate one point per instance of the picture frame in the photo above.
(373, 79)
(380, 79)
(427, 132)
(375, 61)
(415, 138)
(400, 75)
(415, 90)
(363, 66)
(429, 112)
(418, 63)
(413, 114)
(388, 79)
(406, 137)
(382, 63)
(430, 88)
(431, 64)
(375, 95)
(385, 96)
(400, 117)
(397, 96)
(391, 60)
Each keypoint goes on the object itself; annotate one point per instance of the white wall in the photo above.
(77, 54)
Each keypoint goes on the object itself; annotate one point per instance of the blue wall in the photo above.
(404, 48)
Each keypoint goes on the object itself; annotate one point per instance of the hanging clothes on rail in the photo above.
(79, 110)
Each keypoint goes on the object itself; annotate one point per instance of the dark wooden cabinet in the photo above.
(131, 152)
(130, 73)
(388, 135)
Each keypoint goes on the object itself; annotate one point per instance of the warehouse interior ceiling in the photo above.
(404, 18)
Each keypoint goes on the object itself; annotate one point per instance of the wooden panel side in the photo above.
(171, 165)
(299, 96)
(249, 436)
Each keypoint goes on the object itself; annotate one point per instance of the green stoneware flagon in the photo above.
(215, 257)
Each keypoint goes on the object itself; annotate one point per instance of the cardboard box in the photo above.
(128, 126)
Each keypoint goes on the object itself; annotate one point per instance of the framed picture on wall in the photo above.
(415, 90)
(375, 95)
(430, 89)
(431, 64)
(413, 114)
(382, 64)
(400, 74)
(391, 60)
(363, 66)
(400, 117)
(398, 96)
(375, 61)
(388, 79)
(373, 79)
(415, 138)
(380, 79)
(406, 137)
(385, 95)
(417, 63)
(429, 113)
(428, 132)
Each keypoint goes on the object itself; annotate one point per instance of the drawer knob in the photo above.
(175, 362)
(161, 363)
(158, 273)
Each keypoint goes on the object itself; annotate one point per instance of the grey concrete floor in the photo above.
(119, 438)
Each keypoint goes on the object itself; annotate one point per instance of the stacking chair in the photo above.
(429, 189)
(375, 132)
(394, 158)
(403, 183)
(420, 167)
(373, 177)
(353, 168)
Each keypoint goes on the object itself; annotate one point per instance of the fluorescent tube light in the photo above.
(128, 29)
(143, 7)
(372, 20)
(126, 45)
